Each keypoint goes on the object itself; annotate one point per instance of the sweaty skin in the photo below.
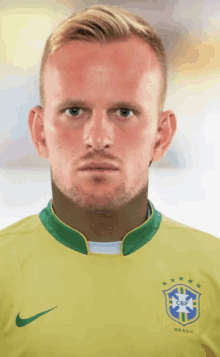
(103, 207)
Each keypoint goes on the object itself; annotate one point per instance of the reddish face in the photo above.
(101, 128)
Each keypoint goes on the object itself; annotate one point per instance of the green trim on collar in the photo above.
(75, 240)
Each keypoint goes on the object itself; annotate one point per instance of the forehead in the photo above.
(122, 64)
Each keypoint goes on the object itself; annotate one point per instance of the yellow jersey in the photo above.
(157, 295)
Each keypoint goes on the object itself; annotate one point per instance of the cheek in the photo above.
(59, 144)
(61, 136)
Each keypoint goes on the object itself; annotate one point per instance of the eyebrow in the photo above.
(80, 103)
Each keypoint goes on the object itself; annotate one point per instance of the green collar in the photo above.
(75, 240)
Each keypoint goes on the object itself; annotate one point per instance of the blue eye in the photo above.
(73, 110)
(126, 109)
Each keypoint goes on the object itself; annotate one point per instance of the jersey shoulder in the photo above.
(170, 223)
(22, 226)
(18, 239)
(189, 237)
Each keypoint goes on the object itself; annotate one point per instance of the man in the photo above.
(100, 272)
(102, 204)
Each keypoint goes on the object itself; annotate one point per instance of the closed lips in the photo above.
(95, 166)
(98, 168)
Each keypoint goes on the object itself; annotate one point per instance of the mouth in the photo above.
(99, 172)
(99, 166)
(99, 169)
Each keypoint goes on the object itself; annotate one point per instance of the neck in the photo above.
(106, 226)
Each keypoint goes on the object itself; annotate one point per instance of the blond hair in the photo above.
(105, 24)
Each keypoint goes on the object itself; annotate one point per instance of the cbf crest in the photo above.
(182, 304)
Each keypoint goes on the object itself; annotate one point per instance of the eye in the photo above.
(126, 110)
(72, 110)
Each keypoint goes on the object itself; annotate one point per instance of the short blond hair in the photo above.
(105, 24)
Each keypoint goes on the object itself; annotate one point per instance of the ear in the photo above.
(167, 126)
(36, 126)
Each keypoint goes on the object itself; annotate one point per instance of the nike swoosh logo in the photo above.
(22, 322)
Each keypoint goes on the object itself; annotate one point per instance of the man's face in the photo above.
(101, 75)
